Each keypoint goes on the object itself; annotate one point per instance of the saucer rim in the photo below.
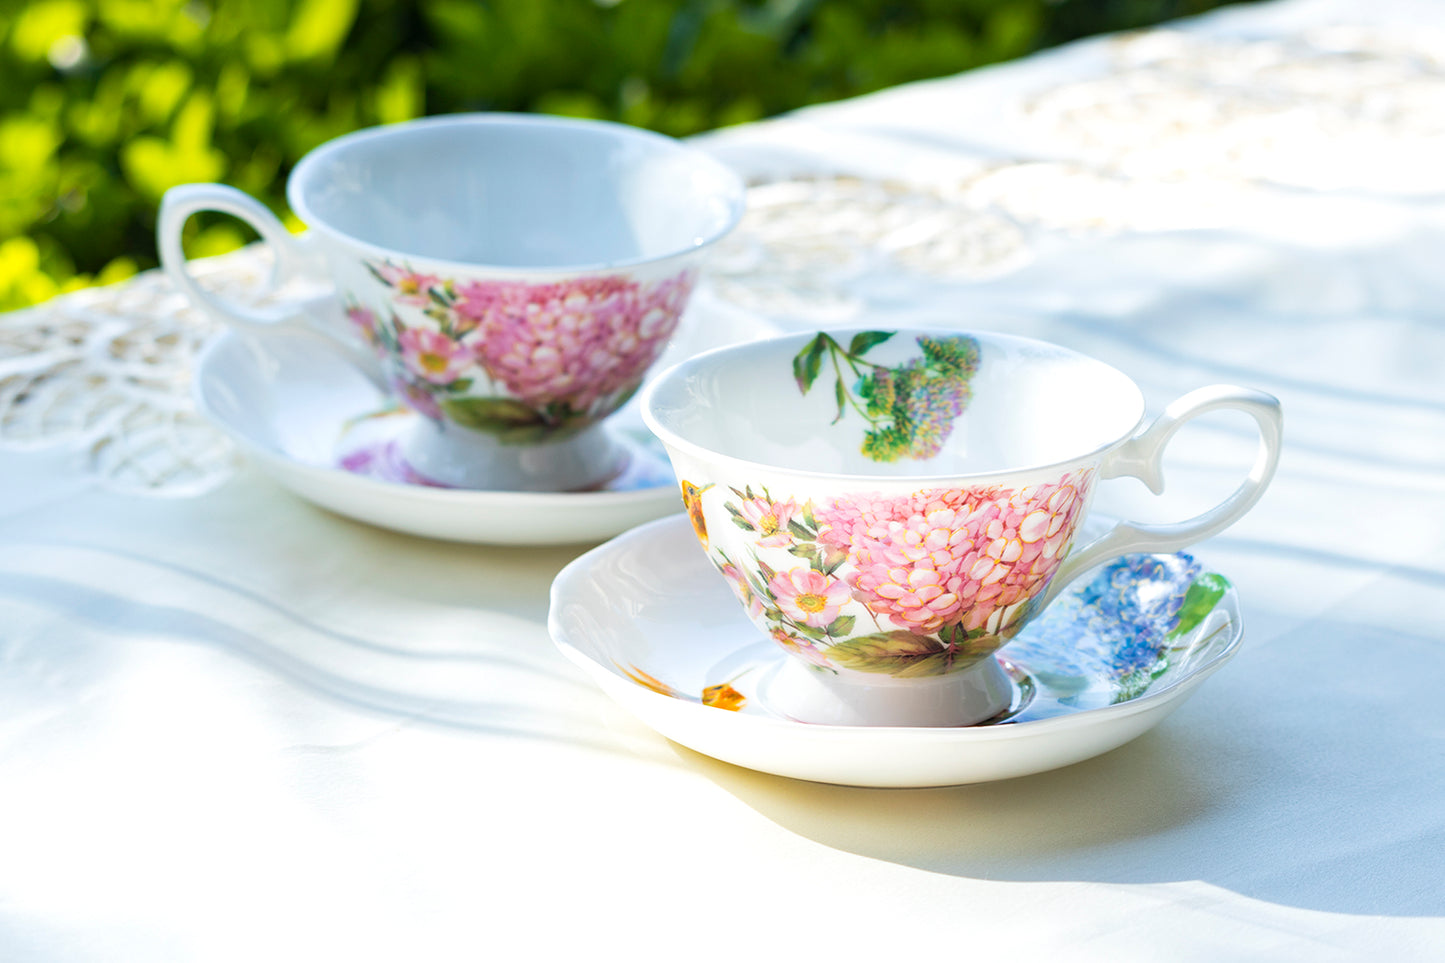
(1149, 699)
(204, 371)
(879, 757)
(508, 519)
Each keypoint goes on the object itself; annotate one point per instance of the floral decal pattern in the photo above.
(910, 408)
(1125, 624)
(904, 585)
(518, 360)
(1136, 621)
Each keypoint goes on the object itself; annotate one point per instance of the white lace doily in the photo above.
(805, 240)
(107, 371)
(1327, 109)
(808, 244)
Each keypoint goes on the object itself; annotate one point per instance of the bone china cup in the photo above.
(891, 507)
(510, 277)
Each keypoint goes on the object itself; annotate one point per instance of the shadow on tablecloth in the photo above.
(1278, 783)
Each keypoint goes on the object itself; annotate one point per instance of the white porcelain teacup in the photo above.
(893, 506)
(514, 276)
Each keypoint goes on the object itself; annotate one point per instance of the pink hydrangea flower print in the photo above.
(743, 590)
(433, 356)
(410, 286)
(953, 556)
(578, 341)
(769, 519)
(557, 355)
(810, 597)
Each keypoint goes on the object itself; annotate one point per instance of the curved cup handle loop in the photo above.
(295, 257)
(1141, 457)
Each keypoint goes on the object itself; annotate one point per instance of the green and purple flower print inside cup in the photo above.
(510, 278)
(892, 507)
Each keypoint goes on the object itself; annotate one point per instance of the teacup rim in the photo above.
(736, 196)
(672, 439)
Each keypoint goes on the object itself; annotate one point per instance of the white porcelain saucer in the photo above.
(650, 620)
(323, 429)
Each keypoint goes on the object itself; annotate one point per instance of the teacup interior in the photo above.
(975, 403)
(516, 191)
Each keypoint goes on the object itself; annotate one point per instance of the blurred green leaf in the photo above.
(233, 84)
(318, 27)
(401, 93)
(40, 26)
(153, 166)
(96, 121)
(571, 103)
(178, 24)
(116, 270)
(28, 142)
(161, 88)
(216, 239)
(1010, 31)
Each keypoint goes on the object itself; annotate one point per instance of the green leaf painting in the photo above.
(864, 340)
(499, 416)
(903, 655)
(911, 408)
(1201, 598)
(808, 363)
(511, 422)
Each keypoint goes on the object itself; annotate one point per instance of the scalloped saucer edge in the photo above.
(653, 624)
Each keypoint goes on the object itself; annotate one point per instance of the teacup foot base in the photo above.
(965, 698)
(450, 456)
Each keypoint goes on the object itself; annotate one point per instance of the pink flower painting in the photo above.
(809, 597)
(411, 287)
(433, 356)
(769, 519)
(364, 320)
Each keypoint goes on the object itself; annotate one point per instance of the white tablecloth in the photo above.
(235, 727)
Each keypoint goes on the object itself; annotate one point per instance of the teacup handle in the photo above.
(1142, 456)
(294, 257)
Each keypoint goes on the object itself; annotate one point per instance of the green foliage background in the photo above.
(104, 104)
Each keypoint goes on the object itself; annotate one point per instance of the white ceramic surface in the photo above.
(293, 403)
(515, 277)
(892, 506)
(526, 192)
(655, 627)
